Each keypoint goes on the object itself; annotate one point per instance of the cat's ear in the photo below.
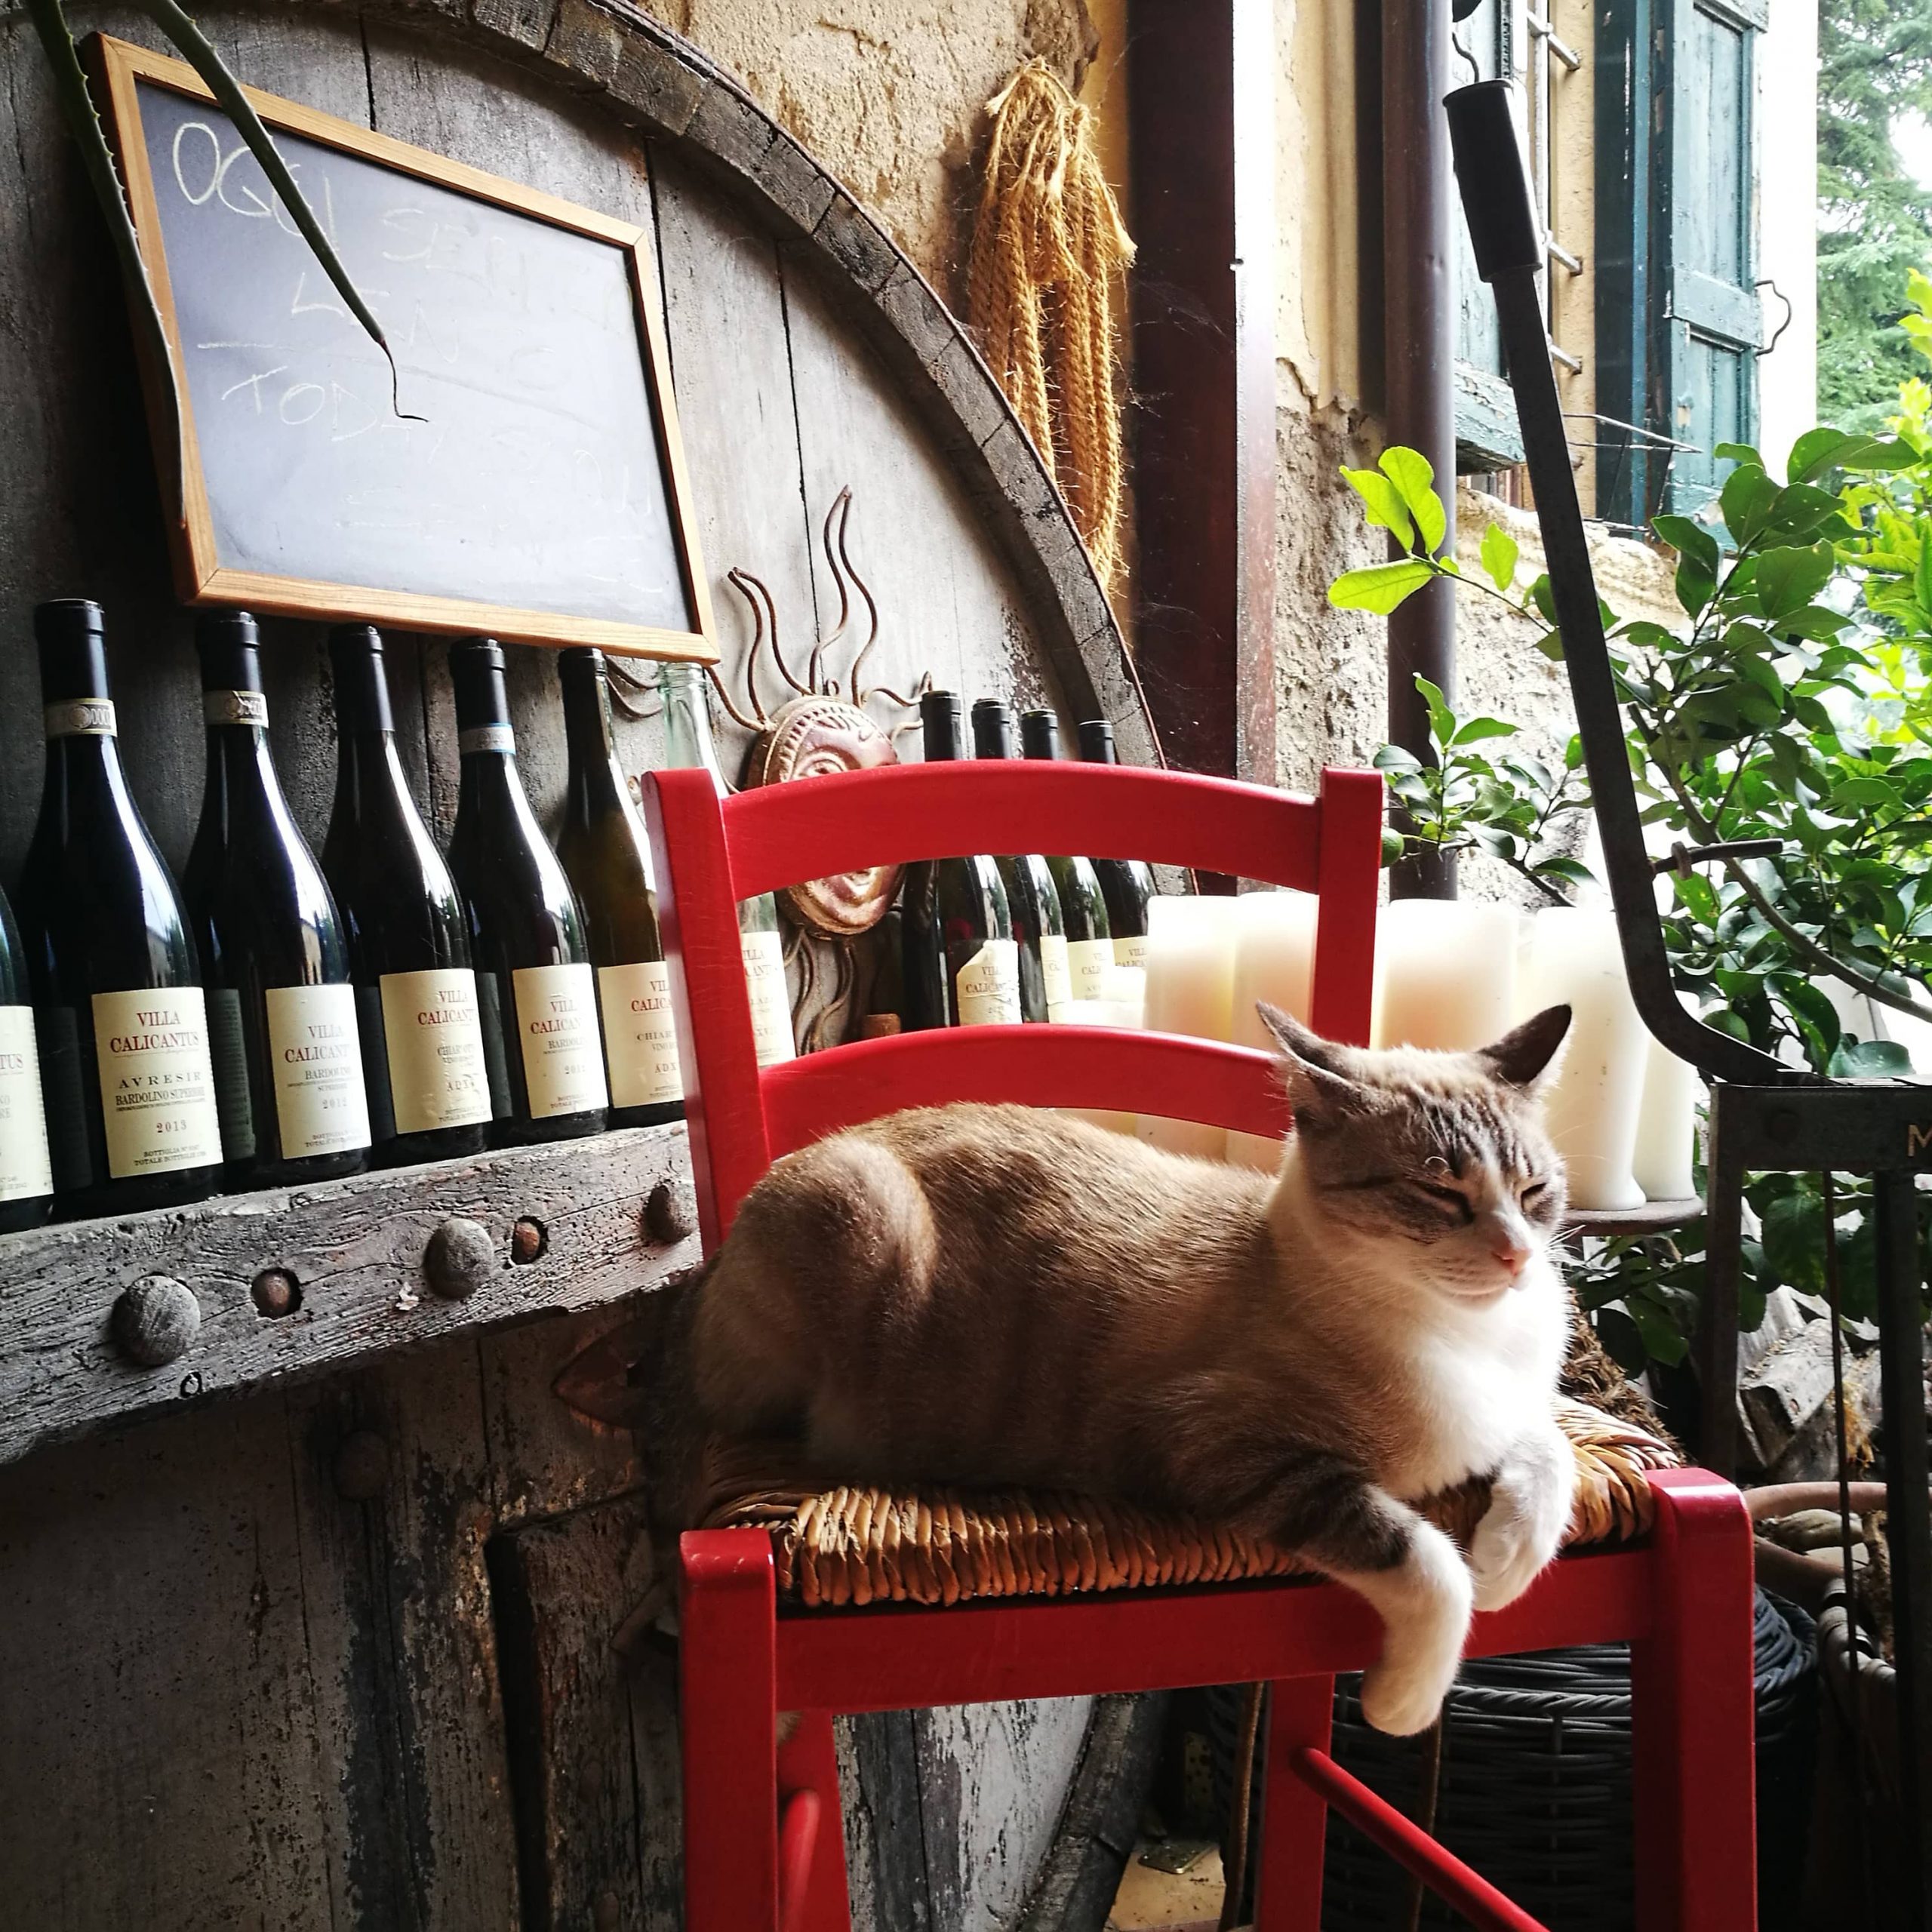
(1319, 1074)
(1526, 1056)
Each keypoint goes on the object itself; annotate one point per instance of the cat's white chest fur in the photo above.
(1482, 1378)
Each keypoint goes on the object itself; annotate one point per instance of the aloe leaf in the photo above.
(77, 107)
(234, 103)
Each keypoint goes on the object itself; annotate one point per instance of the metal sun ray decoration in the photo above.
(820, 726)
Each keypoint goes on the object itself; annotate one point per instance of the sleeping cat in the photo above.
(992, 1295)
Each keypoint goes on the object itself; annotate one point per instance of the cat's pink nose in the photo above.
(1513, 1258)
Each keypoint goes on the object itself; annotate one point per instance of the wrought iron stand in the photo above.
(1764, 1116)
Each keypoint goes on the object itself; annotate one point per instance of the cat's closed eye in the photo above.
(1452, 1199)
(1532, 1193)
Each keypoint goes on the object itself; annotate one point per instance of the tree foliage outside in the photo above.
(1874, 224)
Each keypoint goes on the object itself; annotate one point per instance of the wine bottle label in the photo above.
(487, 738)
(771, 997)
(1089, 961)
(556, 1021)
(236, 708)
(437, 1075)
(640, 1037)
(157, 1080)
(1131, 950)
(230, 1052)
(26, 1169)
(987, 987)
(1056, 972)
(80, 718)
(321, 1105)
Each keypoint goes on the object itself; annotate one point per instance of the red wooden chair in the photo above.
(763, 1851)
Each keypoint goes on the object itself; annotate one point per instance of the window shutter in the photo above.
(1678, 322)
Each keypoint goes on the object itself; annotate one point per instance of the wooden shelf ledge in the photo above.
(354, 1250)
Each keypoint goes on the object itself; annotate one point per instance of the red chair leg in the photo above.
(727, 1663)
(1294, 1820)
(1692, 1712)
(808, 1764)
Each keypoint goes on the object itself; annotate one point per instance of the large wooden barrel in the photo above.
(276, 1613)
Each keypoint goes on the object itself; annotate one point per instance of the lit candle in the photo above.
(1445, 973)
(1273, 960)
(1667, 1126)
(1576, 960)
(1190, 989)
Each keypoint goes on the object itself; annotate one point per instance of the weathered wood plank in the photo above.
(354, 1248)
(160, 1764)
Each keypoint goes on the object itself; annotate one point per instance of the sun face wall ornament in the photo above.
(821, 728)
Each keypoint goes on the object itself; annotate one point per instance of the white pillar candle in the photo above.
(1273, 960)
(1445, 973)
(1591, 1106)
(1123, 1007)
(1190, 989)
(1667, 1126)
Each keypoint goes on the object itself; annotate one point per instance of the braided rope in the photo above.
(1048, 248)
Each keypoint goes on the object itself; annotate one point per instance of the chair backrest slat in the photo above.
(710, 853)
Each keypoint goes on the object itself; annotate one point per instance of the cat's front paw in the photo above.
(1422, 1644)
(1523, 1528)
(1401, 1699)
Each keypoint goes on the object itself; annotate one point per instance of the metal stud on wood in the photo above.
(459, 1258)
(155, 1321)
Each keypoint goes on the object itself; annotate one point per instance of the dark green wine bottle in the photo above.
(275, 960)
(118, 1009)
(1032, 900)
(534, 980)
(416, 999)
(26, 1171)
(1128, 884)
(1090, 947)
(604, 852)
(961, 965)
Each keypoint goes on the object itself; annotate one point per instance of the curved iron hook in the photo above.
(859, 692)
(759, 598)
(841, 507)
(618, 673)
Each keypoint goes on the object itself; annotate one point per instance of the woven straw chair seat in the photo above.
(840, 1546)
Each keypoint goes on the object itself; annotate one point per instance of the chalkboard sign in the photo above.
(542, 496)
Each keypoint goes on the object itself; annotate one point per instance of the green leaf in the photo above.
(1394, 757)
(1748, 498)
(1469, 732)
(1690, 540)
(1794, 1236)
(1499, 552)
(1409, 470)
(1381, 588)
(1441, 719)
(1787, 579)
(1737, 453)
(1384, 503)
(1392, 845)
(1572, 871)
(1871, 1060)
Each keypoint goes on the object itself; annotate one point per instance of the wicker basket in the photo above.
(1535, 1788)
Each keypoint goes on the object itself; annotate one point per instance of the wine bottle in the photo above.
(1127, 884)
(119, 1013)
(1032, 900)
(534, 980)
(26, 1169)
(687, 741)
(961, 963)
(604, 852)
(416, 1003)
(275, 961)
(1090, 947)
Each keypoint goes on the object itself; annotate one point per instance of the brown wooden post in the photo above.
(1201, 132)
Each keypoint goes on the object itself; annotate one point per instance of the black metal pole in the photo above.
(1419, 347)
(1724, 1268)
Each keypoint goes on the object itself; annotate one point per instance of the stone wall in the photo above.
(890, 93)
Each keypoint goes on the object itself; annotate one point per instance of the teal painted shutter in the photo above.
(1678, 315)
(1708, 366)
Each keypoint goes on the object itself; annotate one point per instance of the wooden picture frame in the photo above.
(201, 577)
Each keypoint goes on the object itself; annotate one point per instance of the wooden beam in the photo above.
(352, 1255)
(1201, 112)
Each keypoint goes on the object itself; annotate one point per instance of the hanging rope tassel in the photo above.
(1049, 249)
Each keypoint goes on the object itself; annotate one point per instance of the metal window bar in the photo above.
(1764, 1117)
